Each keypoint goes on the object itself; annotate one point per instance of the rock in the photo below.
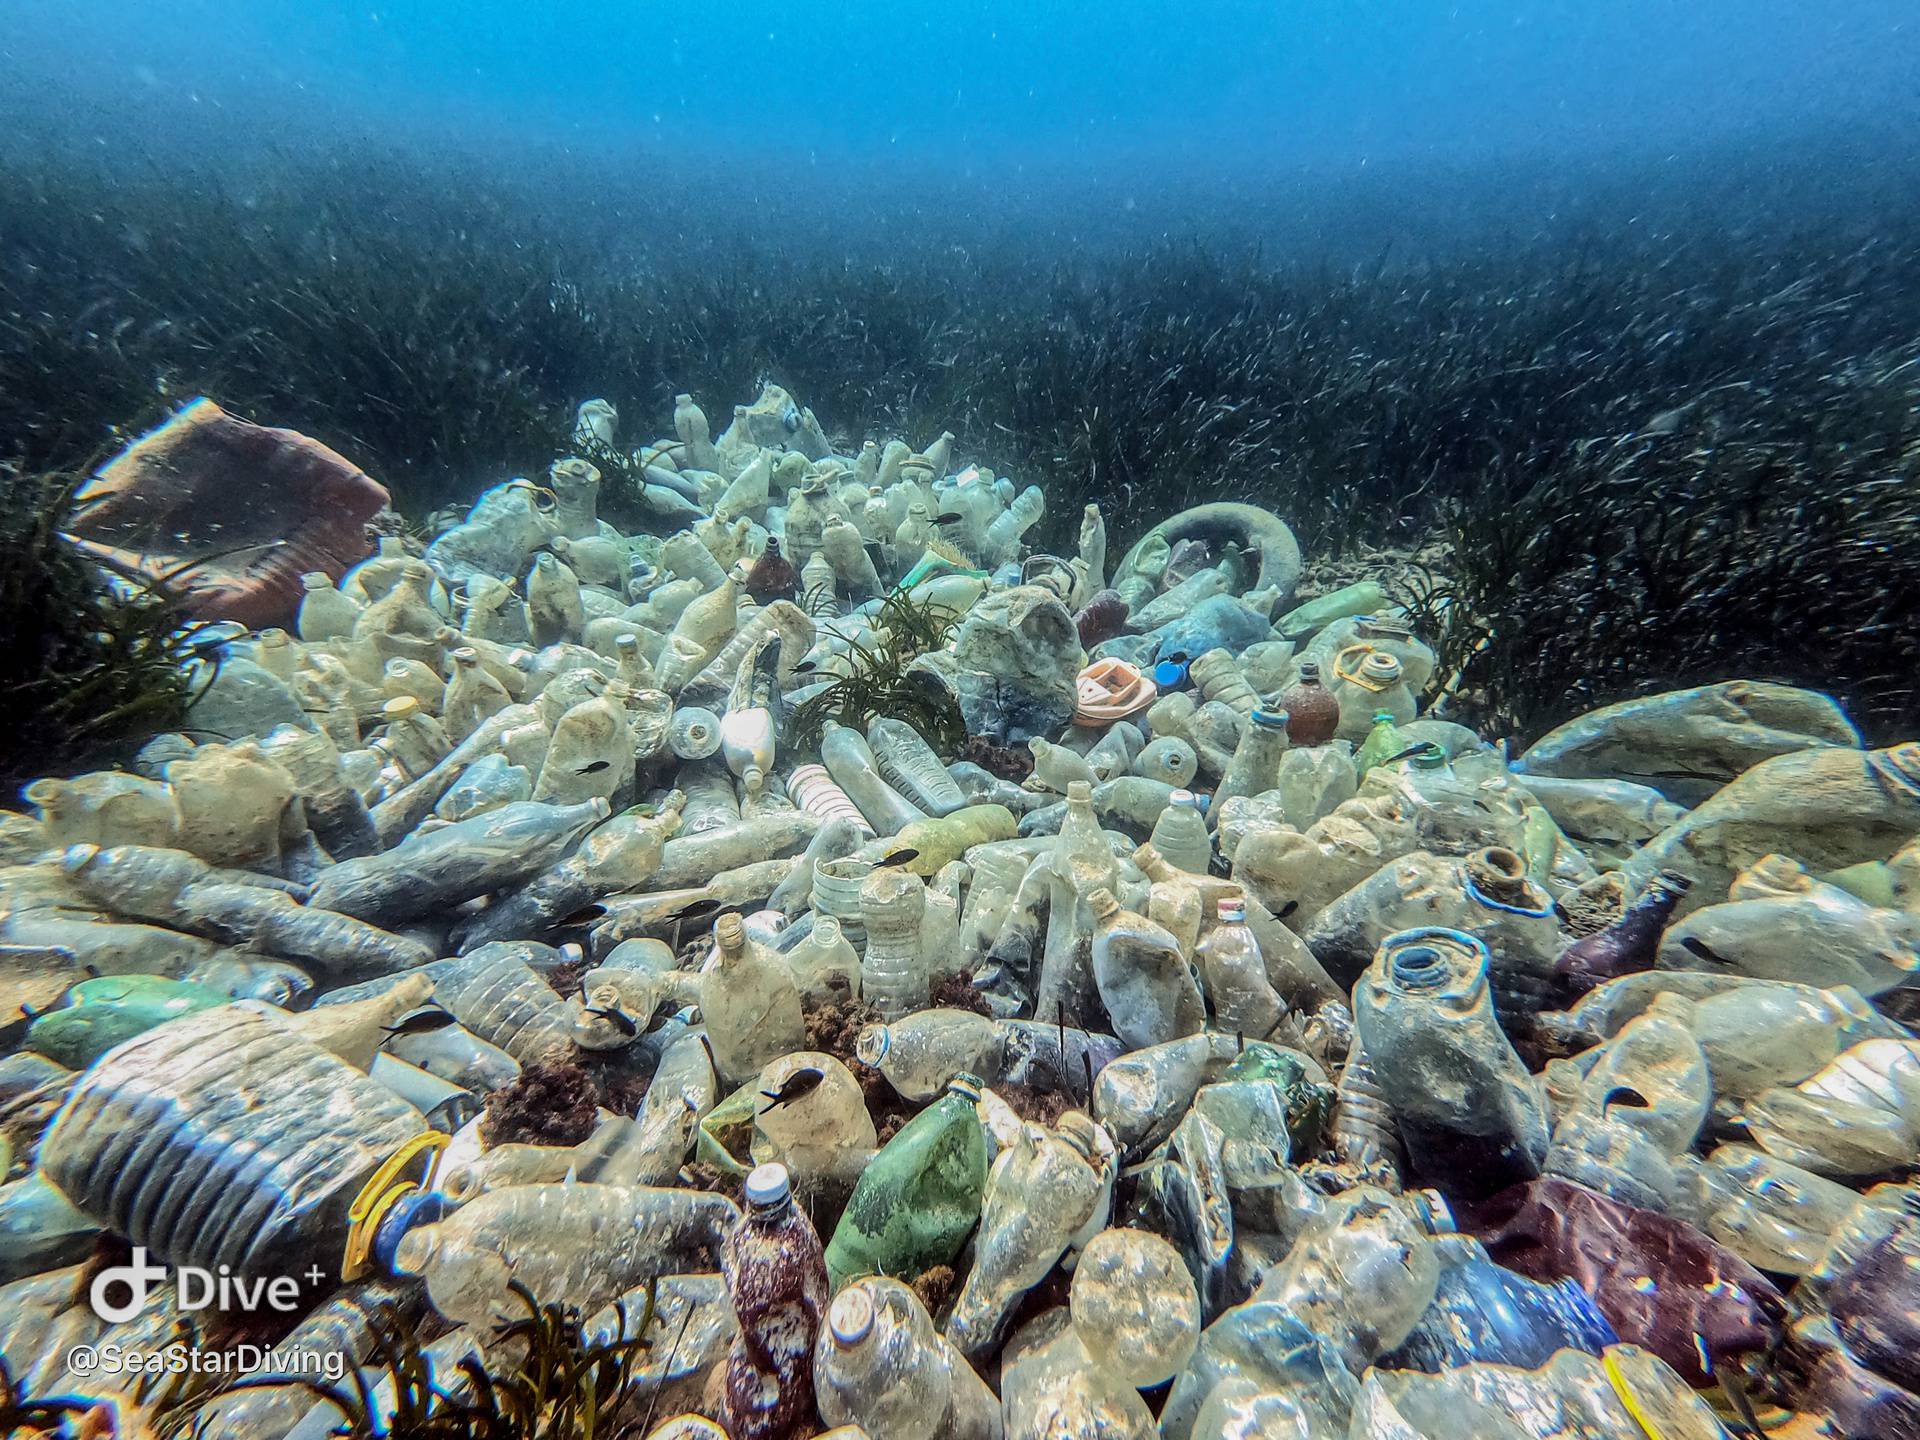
(1015, 662)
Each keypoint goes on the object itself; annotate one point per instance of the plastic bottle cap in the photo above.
(768, 1186)
(1234, 910)
(872, 1046)
(1079, 792)
(1270, 719)
(967, 1086)
(850, 1317)
(1180, 797)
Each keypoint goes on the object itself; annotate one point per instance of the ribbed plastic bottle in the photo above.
(776, 1275)
(750, 1004)
(894, 976)
(1180, 834)
(225, 1138)
(881, 1365)
(919, 1199)
(1241, 996)
(1255, 766)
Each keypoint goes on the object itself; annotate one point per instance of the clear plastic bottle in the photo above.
(825, 966)
(1079, 863)
(777, 1276)
(845, 753)
(1041, 1192)
(590, 755)
(922, 1053)
(1180, 834)
(1145, 979)
(1051, 1389)
(1241, 996)
(578, 1244)
(749, 1003)
(910, 766)
(1657, 1067)
(1255, 767)
(325, 613)
(1135, 1306)
(894, 977)
(881, 1365)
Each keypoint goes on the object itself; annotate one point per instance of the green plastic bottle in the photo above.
(915, 1205)
(103, 1011)
(1383, 742)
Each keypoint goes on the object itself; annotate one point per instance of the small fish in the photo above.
(619, 1019)
(952, 517)
(593, 767)
(805, 666)
(905, 855)
(1701, 950)
(420, 1022)
(585, 915)
(453, 1112)
(1419, 747)
(797, 1086)
(696, 909)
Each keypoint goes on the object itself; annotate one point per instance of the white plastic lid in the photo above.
(768, 1186)
(850, 1317)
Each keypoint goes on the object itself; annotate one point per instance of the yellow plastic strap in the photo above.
(1353, 676)
(379, 1195)
(1627, 1399)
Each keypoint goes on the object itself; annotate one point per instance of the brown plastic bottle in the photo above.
(776, 1273)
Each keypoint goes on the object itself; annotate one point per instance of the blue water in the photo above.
(1133, 92)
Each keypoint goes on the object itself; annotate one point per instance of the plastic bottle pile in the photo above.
(1307, 1067)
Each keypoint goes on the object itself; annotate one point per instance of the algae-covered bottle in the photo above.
(918, 1201)
(1383, 742)
(778, 1286)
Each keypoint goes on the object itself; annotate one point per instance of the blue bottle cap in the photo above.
(1169, 675)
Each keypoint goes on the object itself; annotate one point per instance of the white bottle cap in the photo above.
(768, 1186)
(1180, 797)
(850, 1317)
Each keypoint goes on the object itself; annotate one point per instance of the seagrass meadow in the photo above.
(1652, 440)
